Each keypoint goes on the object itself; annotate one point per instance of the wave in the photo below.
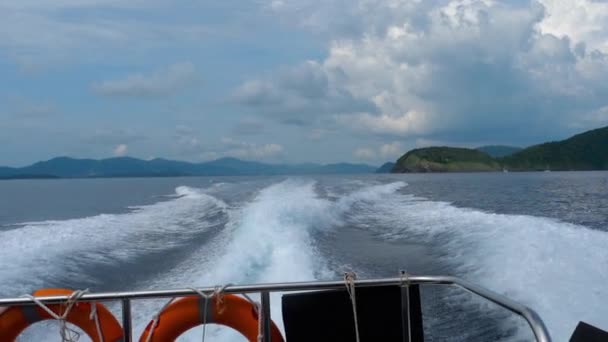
(374, 193)
(49, 252)
(557, 268)
(270, 239)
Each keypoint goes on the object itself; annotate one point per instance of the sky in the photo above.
(295, 80)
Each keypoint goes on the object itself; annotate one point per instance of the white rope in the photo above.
(93, 316)
(156, 318)
(260, 312)
(67, 334)
(260, 322)
(207, 298)
(349, 281)
(218, 292)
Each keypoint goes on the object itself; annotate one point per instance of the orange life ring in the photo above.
(17, 318)
(188, 312)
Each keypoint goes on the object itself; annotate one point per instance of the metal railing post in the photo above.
(405, 313)
(126, 320)
(266, 321)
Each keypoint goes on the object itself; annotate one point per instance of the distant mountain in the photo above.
(26, 176)
(445, 159)
(585, 151)
(65, 167)
(498, 151)
(6, 171)
(69, 167)
(385, 168)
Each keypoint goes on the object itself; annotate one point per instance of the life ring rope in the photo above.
(260, 312)
(181, 314)
(156, 319)
(175, 317)
(68, 334)
(90, 316)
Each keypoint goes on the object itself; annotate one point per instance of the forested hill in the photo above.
(498, 151)
(585, 151)
(445, 159)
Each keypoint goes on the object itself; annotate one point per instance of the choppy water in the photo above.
(539, 238)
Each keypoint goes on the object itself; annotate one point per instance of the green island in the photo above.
(445, 159)
(582, 152)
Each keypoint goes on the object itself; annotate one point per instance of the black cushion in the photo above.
(588, 333)
(328, 315)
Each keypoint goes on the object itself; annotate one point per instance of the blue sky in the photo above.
(295, 81)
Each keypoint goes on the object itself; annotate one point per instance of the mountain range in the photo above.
(66, 167)
(585, 151)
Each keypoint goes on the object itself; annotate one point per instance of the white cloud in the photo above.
(393, 149)
(187, 143)
(410, 122)
(120, 150)
(39, 33)
(318, 133)
(210, 155)
(389, 151)
(422, 142)
(581, 21)
(190, 143)
(247, 150)
(469, 70)
(19, 107)
(594, 118)
(277, 4)
(300, 95)
(365, 153)
(37, 109)
(109, 136)
(249, 126)
(160, 82)
(70, 4)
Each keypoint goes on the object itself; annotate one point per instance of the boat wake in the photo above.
(273, 236)
(556, 268)
(56, 253)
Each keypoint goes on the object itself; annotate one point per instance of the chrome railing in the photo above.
(534, 321)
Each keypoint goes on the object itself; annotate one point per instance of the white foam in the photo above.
(267, 240)
(374, 193)
(272, 240)
(188, 192)
(41, 251)
(558, 269)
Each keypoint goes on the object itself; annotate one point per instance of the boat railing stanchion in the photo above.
(266, 321)
(405, 307)
(126, 320)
